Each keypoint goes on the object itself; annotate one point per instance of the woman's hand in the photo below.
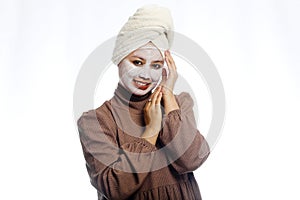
(168, 83)
(153, 116)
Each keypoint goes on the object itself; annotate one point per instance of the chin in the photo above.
(140, 92)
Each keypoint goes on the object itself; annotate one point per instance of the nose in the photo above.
(145, 73)
(144, 76)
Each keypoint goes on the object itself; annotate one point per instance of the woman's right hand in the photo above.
(153, 116)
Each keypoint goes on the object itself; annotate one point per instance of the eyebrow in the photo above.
(144, 59)
(139, 57)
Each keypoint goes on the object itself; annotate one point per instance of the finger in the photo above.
(158, 100)
(147, 106)
(155, 94)
(167, 58)
(170, 57)
(169, 65)
(151, 99)
(158, 88)
(164, 76)
(170, 61)
(171, 68)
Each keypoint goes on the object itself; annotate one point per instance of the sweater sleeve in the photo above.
(113, 171)
(186, 148)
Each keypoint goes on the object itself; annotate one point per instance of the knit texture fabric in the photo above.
(107, 145)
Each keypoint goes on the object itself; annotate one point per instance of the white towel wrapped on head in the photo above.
(149, 23)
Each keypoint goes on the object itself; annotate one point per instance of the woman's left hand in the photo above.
(168, 83)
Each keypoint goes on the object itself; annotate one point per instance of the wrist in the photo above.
(150, 135)
(149, 132)
(170, 103)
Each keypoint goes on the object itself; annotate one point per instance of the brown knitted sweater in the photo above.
(121, 165)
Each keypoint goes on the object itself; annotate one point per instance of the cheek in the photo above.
(156, 74)
(127, 70)
(133, 72)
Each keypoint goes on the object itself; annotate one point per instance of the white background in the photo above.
(254, 45)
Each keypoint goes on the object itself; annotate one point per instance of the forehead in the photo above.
(148, 51)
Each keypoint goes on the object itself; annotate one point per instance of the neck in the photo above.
(124, 93)
(126, 100)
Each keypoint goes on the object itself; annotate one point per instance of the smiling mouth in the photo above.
(141, 85)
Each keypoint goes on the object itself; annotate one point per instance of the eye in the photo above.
(137, 62)
(157, 66)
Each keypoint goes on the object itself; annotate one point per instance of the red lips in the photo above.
(141, 85)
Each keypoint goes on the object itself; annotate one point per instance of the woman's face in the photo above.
(141, 70)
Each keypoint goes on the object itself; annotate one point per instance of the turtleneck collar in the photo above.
(133, 102)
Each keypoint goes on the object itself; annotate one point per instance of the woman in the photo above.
(142, 144)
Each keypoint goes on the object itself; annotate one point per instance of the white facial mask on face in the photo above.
(140, 76)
